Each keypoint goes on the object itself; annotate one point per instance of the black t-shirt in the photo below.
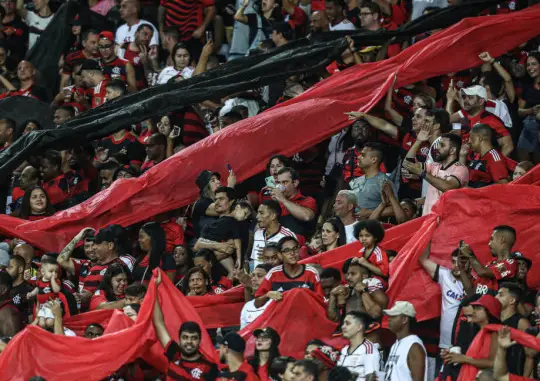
(129, 146)
(221, 229)
(200, 219)
(515, 355)
(16, 37)
(530, 95)
(18, 296)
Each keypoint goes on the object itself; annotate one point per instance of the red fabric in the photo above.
(129, 201)
(60, 357)
(480, 348)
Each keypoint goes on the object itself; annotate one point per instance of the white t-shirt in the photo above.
(364, 360)
(260, 240)
(170, 72)
(349, 232)
(250, 312)
(499, 108)
(125, 33)
(37, 25)
(452, 293)
(343, 25)
(397, 368)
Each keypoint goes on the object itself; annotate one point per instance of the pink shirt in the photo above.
(457, 170)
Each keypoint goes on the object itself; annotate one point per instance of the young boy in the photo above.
(47, 287)
(370, 233)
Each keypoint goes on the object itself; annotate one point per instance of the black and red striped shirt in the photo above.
(95, 276)
(185, 370)
(191, 125)
(115, 69)
(128, 145)
(187, 15)
(73, 59)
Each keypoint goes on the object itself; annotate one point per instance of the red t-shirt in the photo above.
(278, 280)
(98, 298)
(174, 235)
(45, 291)
(98, 93)
(505, 269)
(300, 228)
(298, 21)
(485, 117)
(379, 258)
(488, 169)
(222, 285)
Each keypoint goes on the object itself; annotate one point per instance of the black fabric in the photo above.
(297, 57)
(221, 230)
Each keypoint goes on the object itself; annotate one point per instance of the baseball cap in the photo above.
(401, 308)
(326, 354)
(204, 178)
(235, 342)
(106, 35)
(518, 256)
(4, 258)
(477, 90)
(491, 304)
(90, 65)
(269, 332)
(107, 234)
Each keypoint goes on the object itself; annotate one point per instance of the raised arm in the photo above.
(428, 265)
(394, 115)
(64, 258)
(240, 16)
(376, 122)
(158, 320)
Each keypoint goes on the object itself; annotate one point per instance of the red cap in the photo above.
(106, 35)
(491, 304)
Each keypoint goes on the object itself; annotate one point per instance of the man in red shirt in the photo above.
(185, 360)
(25, 74)
(95, 82)
(89, 51)
(114, 66)
(474, 112)
(231, 352)
(502, 268)
(287, 276)
(488, 166)
(139, 54)
(298, 212)
(295, 16)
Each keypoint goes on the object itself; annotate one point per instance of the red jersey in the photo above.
(99, 298)
(82, 269)
(73, 59)
(278, 280)
(174, 235)
(180, 369)
(135, 60)
(468, 121)
(379, 258)
(95, 276)
(115, 69)
(98, 93)
(302, 229)
(186, 15)
(62, 188)
(45, 291)
(298, 21)
(488, 169)
(222, 285)
(31, 92)
(502, 270)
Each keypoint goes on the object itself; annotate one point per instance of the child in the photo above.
(370, 233)
(47, 287)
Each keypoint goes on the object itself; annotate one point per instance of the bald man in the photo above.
(319, 22)
(25, 73)
(27, 252)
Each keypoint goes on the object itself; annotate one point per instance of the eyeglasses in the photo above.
(104, 47)
(290, 250)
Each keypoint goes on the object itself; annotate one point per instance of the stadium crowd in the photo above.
(473, 128)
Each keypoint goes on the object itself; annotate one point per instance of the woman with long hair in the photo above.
(196, 283)
(205, 259)
(528, 146)
(266, 350)
(333, 234)
(111, 291)
(181, 67)
(204, 210)
(152, 253)
(273, 166)
(35, 205)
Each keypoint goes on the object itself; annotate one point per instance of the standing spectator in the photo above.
(204, 209)
(37, 20)
(113, 66)
(501, 268)
(181, 65)
(183, 263)
(452, 291)
(27, 83)
(305, 370)
(129, 12)
(407, 360)
(96, 83)
(153, 254)
(330, 279)
(206, 260)
(521, 169)
(370, 233)
(488, 166)
(266, 350)
(190, 18)
(197, 282)
(141, 54)
(249, 311)
(29, 177)
(361, 356)
(288, 276)
(89, 51)
(15, 30)
(344, 208)
(156, 151)
(231, 353)
(269, 229)
(334, 11)
(20, 287)
(274, 165)
(10, 318)
(295, 17)
(297, 211)
(445, 173)
(529, 109)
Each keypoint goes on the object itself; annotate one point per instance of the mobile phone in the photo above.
(176, 130)
(229, 167)
(461, 243)
(270, 182)
(209, 36)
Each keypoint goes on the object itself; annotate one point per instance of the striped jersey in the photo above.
(363, 360)
(277, 279)
(94, 277)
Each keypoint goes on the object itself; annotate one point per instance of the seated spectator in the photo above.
(297, 211)
(344, 208)
(326, 358)
(288, 276)
(140, 54)
(274, 165)
(204, 208)
(28, 88)
(313, 247)
(330, 279)
(266, 350)
(337, 20)
(29, 177)
(488, 166)
(115, 67)
(93, 331)
(333, 234)
(369, 186)
(183, 262)
(249, 311)
(31, 125)
(130, 12)
(156, 151)
(95, 82)
(370, 233)
(280, 366)
(153, 254)
(89, 50)
(305, 370)
(206, 260)
(181, 67)
(135, 293)
(521, 169)
(231, 353)
(389, 200)
(110, 293)
(106, 174)
(9, 315)
(311, 346)
(269, 229)
(196, 283)
(35, 205)
(270, 255)
(529, 109)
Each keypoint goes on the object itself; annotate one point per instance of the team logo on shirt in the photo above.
(196, 373)
(407, 99)
(116, 70)
(102, 272)
(17, 299)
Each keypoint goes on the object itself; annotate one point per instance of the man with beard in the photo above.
(28, 178)
(452, 291)
(20, 287)
(140, 47)
(445, 173)
(524, 264)
(185, 360)
(10, 319)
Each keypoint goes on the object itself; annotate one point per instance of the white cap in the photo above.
(477, 90)
(4, 258)
(401, 308)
